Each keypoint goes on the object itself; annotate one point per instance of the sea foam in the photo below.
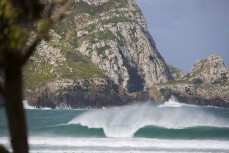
(140, 143)
(26, 105)
(172, 102)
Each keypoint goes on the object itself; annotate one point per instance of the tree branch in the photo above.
(61, 13)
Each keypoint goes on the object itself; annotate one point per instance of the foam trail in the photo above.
(127, 120)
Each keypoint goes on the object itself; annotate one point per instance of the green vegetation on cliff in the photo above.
(76, 66)
(83, 7)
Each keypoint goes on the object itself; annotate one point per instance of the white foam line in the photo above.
(124, 142)
(131, 151)
(58, 125)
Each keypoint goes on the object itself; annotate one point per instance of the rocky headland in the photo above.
(102, 54)
(206, 84)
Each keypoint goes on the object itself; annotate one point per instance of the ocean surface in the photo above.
(138, 128)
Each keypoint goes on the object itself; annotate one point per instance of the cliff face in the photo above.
(113, 34)
(84, 93)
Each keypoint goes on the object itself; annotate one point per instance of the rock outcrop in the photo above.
(211, 70)
(206, 84)
(177, 73)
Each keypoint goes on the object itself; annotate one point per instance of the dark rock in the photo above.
(96, 93)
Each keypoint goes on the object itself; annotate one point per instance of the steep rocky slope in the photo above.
(113, 34)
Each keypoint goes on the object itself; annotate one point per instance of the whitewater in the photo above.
(136, 128)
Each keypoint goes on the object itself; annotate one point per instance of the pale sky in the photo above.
(186, 30)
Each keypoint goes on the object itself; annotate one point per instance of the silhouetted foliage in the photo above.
(14, 52)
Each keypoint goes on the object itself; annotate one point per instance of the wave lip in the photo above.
(125, 121)
(79, 131)
(117, 122)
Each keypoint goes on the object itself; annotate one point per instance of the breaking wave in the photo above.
(135, 120)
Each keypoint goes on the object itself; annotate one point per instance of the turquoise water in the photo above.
(171, 127)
